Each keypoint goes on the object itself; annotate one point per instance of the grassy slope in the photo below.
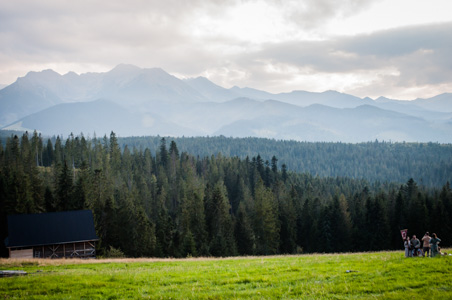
(383, 275)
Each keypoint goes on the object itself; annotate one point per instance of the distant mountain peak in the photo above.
(71, 75)
(132, 69)
(331, 92)
(200, 78)
(47, 74)
(125, 68)
(382, 99)
(157, 71)
(197, 105)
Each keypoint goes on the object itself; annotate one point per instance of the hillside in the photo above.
(170, 203)
(429, 164)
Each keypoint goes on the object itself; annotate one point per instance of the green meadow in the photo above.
(379, 275)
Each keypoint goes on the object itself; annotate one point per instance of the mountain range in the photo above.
(132, 101)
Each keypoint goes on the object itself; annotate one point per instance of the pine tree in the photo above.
(288, 221)
(305, 223)
(82, 187)
(340, 224)
(164, 227)
(19, 189)
(115, 153)
(244, 235)
(358, 216)
(48, 154)
(146, 239)
(324, 241)
(36, 146)
(65, 189)
(376, 224)
(219, 220)
(284, 175)
(441, 216)
(58, 155)
(163, 155)
(266, 223)
(108, 226)
(274, 165)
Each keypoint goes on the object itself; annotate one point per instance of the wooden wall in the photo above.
(69, 250)
(23, 253)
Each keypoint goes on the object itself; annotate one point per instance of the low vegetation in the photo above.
(378, 275)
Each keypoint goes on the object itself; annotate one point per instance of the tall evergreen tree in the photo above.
(164, 227)
(163, 155)
(65, 189)
(340, 224)
(244, 235)
(48, 154)
(115, 153)
(377, 225)
(219, 220)
(325, 238)
(267, 227)
(288, 221)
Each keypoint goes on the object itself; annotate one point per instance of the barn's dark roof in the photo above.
(50, 228)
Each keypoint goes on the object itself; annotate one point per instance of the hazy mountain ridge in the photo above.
(212, 91)
(132, 101)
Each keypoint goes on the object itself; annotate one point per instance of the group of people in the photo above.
(430, 245)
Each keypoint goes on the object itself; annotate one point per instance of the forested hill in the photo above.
(429, 164)
(172, 203)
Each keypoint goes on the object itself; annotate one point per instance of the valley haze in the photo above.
(133, 101)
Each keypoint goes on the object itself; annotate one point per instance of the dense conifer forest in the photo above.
(429, 164)
(167, 201)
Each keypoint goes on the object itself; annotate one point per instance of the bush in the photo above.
(114, 253)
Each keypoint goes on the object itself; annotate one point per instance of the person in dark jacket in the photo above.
(416, 245)
(434, 241)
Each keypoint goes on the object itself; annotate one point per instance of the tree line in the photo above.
(170, 203)
(427, 163)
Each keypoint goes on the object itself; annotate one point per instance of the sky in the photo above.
(400, 49)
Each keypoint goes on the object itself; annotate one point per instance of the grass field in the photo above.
(381, 275)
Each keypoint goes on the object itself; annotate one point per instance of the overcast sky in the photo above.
(400, 49)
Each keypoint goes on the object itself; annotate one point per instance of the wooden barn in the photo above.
(67, 234)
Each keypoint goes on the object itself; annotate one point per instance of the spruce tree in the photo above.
(266, 223)
(222, 242)
(244, 235)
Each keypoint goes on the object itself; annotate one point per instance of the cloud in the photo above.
(416, 56)
(58, 29)
(268, 44)
(147, 33)
(344, 54)
(401, 41)
(310, 14)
